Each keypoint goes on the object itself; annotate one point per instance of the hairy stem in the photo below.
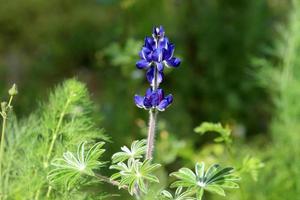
(108, 180)
(151, 133)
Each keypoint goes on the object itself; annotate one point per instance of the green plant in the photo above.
(225, 132)
(5, 111)
(214, 179)
(70, 169)
(33, 142)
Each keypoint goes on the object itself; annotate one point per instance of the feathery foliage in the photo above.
(282, 79)
(33, 142)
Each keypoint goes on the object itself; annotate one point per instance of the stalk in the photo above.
(54, 137)
(152, 122)
(109, 181)
(55, 134)
(151, 133)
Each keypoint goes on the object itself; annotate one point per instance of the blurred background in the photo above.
(231, 51)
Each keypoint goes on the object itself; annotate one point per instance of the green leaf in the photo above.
(199, 194)
(224, 132)
(214, 180)
(215, 189)
(134, 174)
(137, 150)
(70, 169)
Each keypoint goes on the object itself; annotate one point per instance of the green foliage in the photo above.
(252, 166)
(70, 169)
(6, 109)
(225, 132)
(216, 82)
(134, 174)
(179, 195)
(136, 151)
(279, 73)
(213, 180)
(33, 142)
(123, 56)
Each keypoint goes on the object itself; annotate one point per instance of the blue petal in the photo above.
(163, 43)
(157, 55)
(173, 62)
(145, 54)
(149, 43)
(142, 64)
(160, 77)
(139, 101)
(148, 93)
(160, 66)
(147, 103)
(160, 94)
(168, 52)
(163, 105)
(155, 98)
(169, 98)
(150, 76)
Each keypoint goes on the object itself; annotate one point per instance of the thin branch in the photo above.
(108, 180)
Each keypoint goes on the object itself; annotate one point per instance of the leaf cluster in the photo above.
(214, 180)
(133, 173)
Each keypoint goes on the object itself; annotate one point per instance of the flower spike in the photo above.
(157, 53)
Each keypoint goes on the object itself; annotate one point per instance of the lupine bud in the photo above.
(158, 32)
(13, 90)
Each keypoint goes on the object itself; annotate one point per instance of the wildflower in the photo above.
(157, 52)
(153, 99)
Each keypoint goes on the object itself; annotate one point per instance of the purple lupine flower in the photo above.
(153, 99)
(157, 52)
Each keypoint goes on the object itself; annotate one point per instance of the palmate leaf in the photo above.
(136, 151)
(70, 169)
(215, 179)
(134, 174)
(179, 195)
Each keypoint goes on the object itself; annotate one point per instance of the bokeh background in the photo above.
(229, 59)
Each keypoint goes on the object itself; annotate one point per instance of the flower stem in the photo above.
(151, 133)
